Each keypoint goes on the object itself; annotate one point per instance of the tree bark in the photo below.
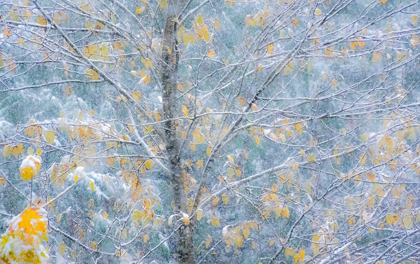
(183, 240)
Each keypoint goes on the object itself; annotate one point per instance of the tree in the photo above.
(208, 131)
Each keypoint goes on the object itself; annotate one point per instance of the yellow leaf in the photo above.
(199, 214)
(334, 83)
(225, 198)
(50, 136)
(311, 158)
(408, 222)
(139, 10)
(146, 79)
(186, 220)
(259, 67)
(41, 20)
(7, 151)
(184, 110)
(389, 219)
(7, 32)
(241, 101)
(2, 180)
(414, 19)
(301, 255)
(193, 147)
(371, 177)
(68, 91)
(199, 164)
(364, 137)
(289, 252)
(200, 19)
(318, 12)
(136, 96)
(377, 56)
(208, 241)
(163, 4)
(246, 231)
(62, 248)
(148, 63)
(92, 74)
(93, 245)
(208, 151)
(274, 187)
(145, 238)
(148, 164)
(211, 54)
(329, 51)
(270, 48)
(215, 221)
(237, 239)
(277, 212)
(217, 24)
(285, 212)
(289, 67)
(254, 107)
(30, 167)
(105, 215)
(363, 159)
(92, 186)
(295, 22)
(383, 1)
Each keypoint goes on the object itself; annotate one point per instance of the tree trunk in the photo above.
(183, 239)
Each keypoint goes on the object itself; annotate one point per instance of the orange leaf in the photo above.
(7, 32)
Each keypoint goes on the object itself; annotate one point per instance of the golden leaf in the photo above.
(200, 19)
(184, 110)
(163, 4)
(7, 32)
(215, 221)
(311, 158)
(49, 136)
(285, 212)
(217, 24)
(246, 231)
(211, 54)
(199, 214)
(41, 20)
(408, 222)
(92, 74)
(139, 10)
(270, 48)
(7, 151)
(289, 252)
(199, 164)
(148, 164)
(376, 57)
(225, 198)
(148, 63)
